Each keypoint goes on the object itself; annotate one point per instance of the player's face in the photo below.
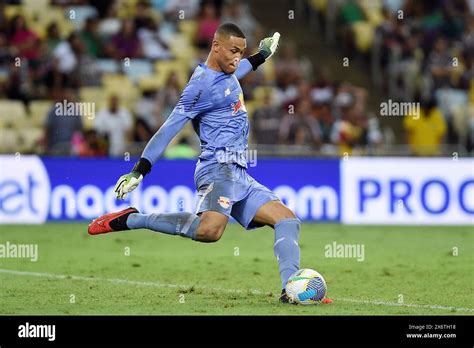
(230, 52)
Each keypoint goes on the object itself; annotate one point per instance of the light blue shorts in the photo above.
(228, 189)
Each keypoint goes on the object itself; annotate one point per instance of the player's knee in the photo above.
(210, 234)
(285, 216)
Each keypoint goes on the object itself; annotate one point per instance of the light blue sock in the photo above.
(183, 224)
(287, 250)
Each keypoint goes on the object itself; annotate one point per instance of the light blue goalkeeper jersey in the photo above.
(214, 102)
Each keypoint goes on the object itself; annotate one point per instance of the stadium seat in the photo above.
(107, 66)
(126, 9)
(9, 140)
(151, 82)
(92, 94)
(165, 68)
(47, 15)
(182, 47)
(260, 92)
(319, 5)
(188, 28)
(13, 113)
(13, 10)
(29, 138)
(81, 13)
(138, 68)
(39, 110)
(36, 4)
(121, 86)
(115, 81)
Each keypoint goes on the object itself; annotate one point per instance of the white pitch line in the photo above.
(396, 304)
(131, 282)
(232, 291)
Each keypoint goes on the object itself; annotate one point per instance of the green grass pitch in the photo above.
(406, 270)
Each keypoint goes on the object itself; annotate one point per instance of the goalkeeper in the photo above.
(213, 102)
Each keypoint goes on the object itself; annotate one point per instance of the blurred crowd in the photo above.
(423, 52)
(132, 58)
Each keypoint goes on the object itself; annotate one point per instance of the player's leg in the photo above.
(262, 207)
(206, 227)
(211, 226)
(287, 233)
(286, 248)
(273, 212)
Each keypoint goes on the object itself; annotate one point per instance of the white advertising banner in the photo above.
(412, 191)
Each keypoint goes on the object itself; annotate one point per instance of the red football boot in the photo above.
(326, 300)
(111, 222)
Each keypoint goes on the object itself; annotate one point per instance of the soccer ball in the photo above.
(306, 287)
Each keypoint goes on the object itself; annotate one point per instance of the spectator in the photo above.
(66, 53)
(126, 43)
(111, 24)
(90, 38)
(92, 145)
(142, 133)
(237, 13)
(266, 121)
(154, 45)
(53, 38)
(64, 69)
(207, 24)
(143, 13)
(347, 132)
(323, 114)
(439, 64)
(425, 132)
(148, 110)
(25, 41)
(5, 51)
(18, 84)
(287, 66)
(115, 123)
(60, 128)
(169, 95)
(301, 128)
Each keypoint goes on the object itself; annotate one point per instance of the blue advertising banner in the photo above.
(35, 190)
(424, 191)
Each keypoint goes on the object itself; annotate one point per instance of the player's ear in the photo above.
(215, 46)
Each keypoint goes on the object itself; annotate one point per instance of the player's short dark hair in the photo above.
(230, 29)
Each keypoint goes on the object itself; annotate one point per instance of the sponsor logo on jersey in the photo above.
(239, 106)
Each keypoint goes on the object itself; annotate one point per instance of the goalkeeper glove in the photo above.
(129, 182)
(269, 45)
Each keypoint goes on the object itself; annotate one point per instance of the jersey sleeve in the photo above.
(195, 99)
(244, 68)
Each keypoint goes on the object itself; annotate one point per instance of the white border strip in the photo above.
(231, 291)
